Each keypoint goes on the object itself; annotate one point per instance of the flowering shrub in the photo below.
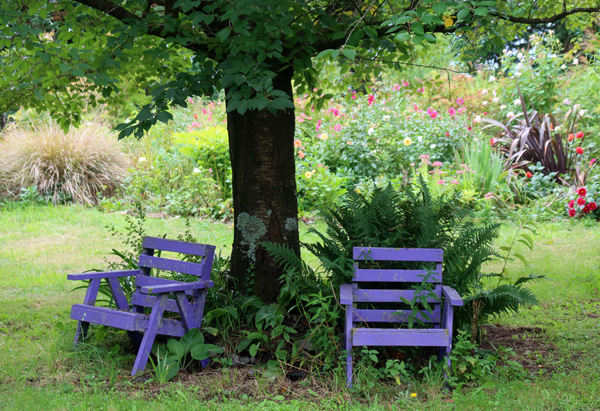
(582, 203)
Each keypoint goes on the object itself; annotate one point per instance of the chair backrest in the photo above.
(383, 276)
(200, 269)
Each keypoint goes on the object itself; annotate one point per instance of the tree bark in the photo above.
(265, 206)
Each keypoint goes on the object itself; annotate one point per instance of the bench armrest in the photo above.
(452, 296)
(346, 294)
(103, 274)
(172, 288)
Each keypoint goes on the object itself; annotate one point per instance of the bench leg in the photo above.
(90, 299)
(149, 334)
(348, 347)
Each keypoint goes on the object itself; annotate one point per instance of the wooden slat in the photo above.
(124, 320)
(149, 300)
(398, 254)
(177, 246)
(400, 338)
(170, 265)
(387, 296)
(102, 274)
(405, 276)
(394, 316)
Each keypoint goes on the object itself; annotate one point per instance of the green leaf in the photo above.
(463, 13)
(349, 53)
(204, 351)
(223, 34)
(520, 257)
(439, 8)
(481, 11)
(176, 348)
(402, 37)
(164, 117)
(253, 350)
(417, 27)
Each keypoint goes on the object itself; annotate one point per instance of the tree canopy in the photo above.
(57, 54)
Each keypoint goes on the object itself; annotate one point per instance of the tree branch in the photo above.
(550, 19)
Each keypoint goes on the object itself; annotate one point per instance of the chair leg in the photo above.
(81, 332)
(149, 334)
(90, 299)
(348, 347)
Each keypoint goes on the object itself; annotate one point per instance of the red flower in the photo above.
(579, 134)
(571, 137)
(586, 209)
(582, 192)
(371, 99)
(447, 134)
(572, 212)
(571, 203)
(528, 174)
(592, 206)
(579, 150)
(581, 201)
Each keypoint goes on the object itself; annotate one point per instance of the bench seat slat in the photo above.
(400, 338)
(125, 320)
(399, 276)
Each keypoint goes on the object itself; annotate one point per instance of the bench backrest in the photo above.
(148, 261)
(383, 276)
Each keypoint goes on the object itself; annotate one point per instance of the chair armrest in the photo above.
(346, 294)
(103, 274)
(452, 296)
(172, 288)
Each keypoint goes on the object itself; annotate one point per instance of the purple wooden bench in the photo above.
(151, 296)
(373, 287)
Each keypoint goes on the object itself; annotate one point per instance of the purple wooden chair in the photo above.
(151, 296)
(374, 290)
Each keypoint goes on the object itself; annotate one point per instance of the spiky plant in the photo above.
(79, 165)
(533, 139)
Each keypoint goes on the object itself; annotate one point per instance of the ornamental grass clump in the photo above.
(78, 165)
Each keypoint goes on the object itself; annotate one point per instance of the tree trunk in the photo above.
(265, 206)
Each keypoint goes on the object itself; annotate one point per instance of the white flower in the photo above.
(582, 112)
(484, 91)
(432, 146)
(517, 74)
(196, 170)
(492, 79)
(517, 102)
(477, 119)
(520, 55)
(567, 102)
(503, 106)
(494, 92)
(510, 115)
(575, 61)
(420, 138)
(484, 102)
(141, 159)
(370, 131)
(495, 100)
(386, 118)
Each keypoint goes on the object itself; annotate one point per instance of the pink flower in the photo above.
(582, 192)
(301, 154)
(190, 100)
(452, 111)
(371, 99)
(571, 203)
(454, 182)
(572, 212)
(462, 110)
(421, 90)
(592, 161)
(437, 164)
(354, 95)
(441, 182)
(469, 128)
(592, 206)
(416, 108)
(447, 134)
(586, 209)
(405, 83)
(488, 196)
(396, 87)
(492, 141)
(424, 156)
(581, 201)
(319, 124)
(460, 101)
(337, 127)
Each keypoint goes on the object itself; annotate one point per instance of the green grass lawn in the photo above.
(40, 370)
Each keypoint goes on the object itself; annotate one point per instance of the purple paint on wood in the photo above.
(105, 274)
(148, 301)
(400, 338)
(171, 288)
(346, 294)
(117, 292)
(387, 296)
(186, 310)
(177, 246)
(398, 254)
(450, 294)
(396, 276)
(394, 316)
(149, 334)
(170, 265)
